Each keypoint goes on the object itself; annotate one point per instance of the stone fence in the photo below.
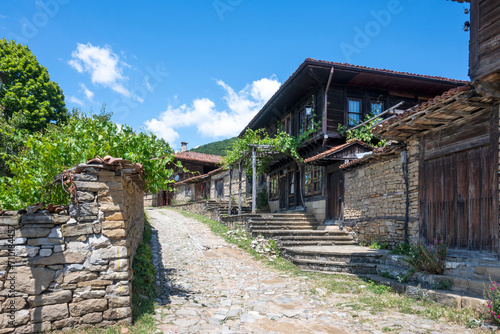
(73, 269)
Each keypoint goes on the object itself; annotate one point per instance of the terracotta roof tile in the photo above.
(201, 157)
(374, 155)
(199, 177)
(446, 95)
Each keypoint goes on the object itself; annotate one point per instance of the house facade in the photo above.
(444, 161)
(317, 98)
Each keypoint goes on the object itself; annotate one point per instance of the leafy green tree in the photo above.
(45, 155)
(30, 99)
(218, 148)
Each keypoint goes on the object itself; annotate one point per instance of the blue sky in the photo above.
(197, 71)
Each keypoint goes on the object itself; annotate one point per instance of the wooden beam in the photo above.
(239, 188)
(254, 179)
(230, 191)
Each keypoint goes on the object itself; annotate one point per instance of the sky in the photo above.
(198, 71)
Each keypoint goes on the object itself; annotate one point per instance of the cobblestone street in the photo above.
(211, 286)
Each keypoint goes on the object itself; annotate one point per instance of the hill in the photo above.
(217, 147)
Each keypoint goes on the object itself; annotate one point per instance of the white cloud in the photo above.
(75, 100)
(241, 107)
(88, 94)
(104, 66)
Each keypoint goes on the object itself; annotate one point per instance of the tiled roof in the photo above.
(336, 149)
(200, 157)
(386, 71)
(198, 178)
(448, 95)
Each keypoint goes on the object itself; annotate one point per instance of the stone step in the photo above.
(319, 242)
(293, 215)
(340, 237)
(279, 233)
(333, 254)
(277, 226)
(334, 267)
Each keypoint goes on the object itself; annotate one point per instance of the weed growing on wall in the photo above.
(428, 258)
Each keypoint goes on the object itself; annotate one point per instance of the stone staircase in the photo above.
(223, 207)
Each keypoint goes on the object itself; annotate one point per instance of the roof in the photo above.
(199, 178)
(338, 152)
(313, 72)
(376, 154)
(454, 104)
(200, 157)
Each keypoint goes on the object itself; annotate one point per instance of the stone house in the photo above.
(439, 178)
(317, 98)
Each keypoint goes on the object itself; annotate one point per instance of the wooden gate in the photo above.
(458, 184)
(335, 195)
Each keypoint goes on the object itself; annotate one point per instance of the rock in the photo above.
(119, 265)
(117, 313)
(76, 246)
(43, 218)
(10, 220)
(50, 298)
(115, 234)
(32, 280)
(66, 323)
(88, 293)
(17, 241)
(95, 283)
(120, 302)
(13, 304)
(98, 241)
(78, 229)
(111, 207)
(119, 289)
(112, 224)
(90, 186)
(88, 306)
(79, 276)
(45, 252)
(114, 252)
(21, 317)
(66, 257)
(39, 327)
(115, 216)
(59, 248)
(49, 313)
(45, 241)
(55, 232)
(92, 318)
(121, 275)
(26, 251)
(34, 232)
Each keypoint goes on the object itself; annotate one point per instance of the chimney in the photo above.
(184, 146)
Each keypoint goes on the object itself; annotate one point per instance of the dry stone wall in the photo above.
(375, 199)
(73, 270)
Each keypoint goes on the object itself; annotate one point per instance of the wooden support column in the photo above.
(230, 193)
(239, 188)
(254, 179)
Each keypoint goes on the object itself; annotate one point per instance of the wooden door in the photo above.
(291, 189)
(335, 195)
(282, 192)
(458, 184)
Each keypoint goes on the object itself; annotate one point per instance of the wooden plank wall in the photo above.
(458, 184)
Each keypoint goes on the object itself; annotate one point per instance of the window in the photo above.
(273, 187)
(355, 112)
(291, 182)
(287, 122)
(312, 179)
(301, 122)
(376, 107)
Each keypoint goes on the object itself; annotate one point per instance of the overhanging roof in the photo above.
(342, 152)
(313, 72)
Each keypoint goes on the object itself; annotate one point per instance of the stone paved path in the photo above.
(210, 286)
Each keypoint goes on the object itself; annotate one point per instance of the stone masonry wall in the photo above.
(375, 199)
(59, 271)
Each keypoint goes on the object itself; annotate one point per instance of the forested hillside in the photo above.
(217, 148)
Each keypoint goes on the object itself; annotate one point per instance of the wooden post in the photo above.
(254, 179)
(239, 188)
(230, 193)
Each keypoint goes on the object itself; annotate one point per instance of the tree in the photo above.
(30, 99)
(45, 155)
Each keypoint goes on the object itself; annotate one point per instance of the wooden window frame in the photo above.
(273, 187)
(374, 102)
(313, 180)
(349, 112)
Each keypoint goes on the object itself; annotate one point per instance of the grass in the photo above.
(370, 296)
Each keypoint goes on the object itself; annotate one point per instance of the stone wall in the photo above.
(73, 270)
(375, 200)
(317, 207)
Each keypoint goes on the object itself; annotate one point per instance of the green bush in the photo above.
(402, 249)
(428, 258)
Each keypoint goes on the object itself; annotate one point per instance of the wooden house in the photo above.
(320, 96)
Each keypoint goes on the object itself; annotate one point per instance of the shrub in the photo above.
(402, 249)
(428, 258)
(492, 295)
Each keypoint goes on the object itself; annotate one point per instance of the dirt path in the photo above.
(210, 286)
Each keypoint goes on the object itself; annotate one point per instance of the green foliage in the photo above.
(378, 288)
(492, 295)
(445, 284)
(217, 148)
(30, 99)
(402, 249)
(47, 154)
(262, 200)
(428, 258)
(378, 245)
(363, 132)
